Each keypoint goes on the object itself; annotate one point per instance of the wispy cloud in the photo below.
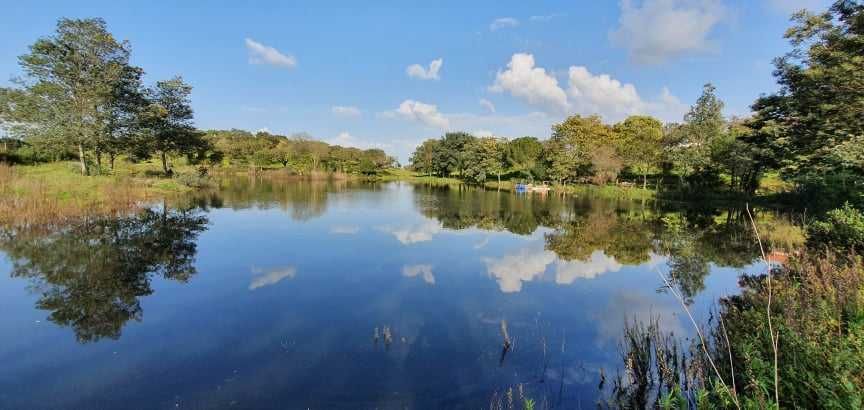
(346, 111)
(545, 18)
(271, 277)
(791, 6)
(419, 72)
(345, 139)
(658, 30)
(503, 22)
(264, 54)
(487, 105)
(344, 229)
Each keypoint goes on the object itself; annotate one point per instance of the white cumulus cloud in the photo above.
(503, 22)
(424, 113)
(264, 54)
(511, 271)
(587, 93)
(568, 271)
(346, 111)
(601, 94)
(657, 30)
(533, 84)
(419, 72)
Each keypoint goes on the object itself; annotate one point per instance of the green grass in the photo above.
(47, 193)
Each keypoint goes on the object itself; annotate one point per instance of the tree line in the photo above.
(811, 131)
(80, 97)
(298, 153)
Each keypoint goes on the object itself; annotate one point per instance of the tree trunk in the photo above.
(165, 163)
(111, 157)
(645, 181)
(82, 160)
(98, 162)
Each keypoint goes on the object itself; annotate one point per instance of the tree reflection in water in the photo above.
(91, 274)
(629, 232)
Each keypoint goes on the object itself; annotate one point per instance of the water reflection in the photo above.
(269, 277)
(422, 271)
(296, 277)
(91, 274)
(589, 236)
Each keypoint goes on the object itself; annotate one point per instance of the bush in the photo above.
(195, 180)
(841, 228)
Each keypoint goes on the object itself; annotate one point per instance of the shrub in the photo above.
(841, 228)
(194, 180)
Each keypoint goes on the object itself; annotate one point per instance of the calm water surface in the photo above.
(269, 294)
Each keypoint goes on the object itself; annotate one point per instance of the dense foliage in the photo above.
(298, 153)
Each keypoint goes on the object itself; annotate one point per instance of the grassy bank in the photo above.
(605, 191)
(54, 192)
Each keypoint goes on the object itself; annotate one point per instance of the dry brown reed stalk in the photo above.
(775, 337)
(729, 351)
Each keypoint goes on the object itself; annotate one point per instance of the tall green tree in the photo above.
(703, 125)
(818, 112)
(168, 120)
(569, 149)
(640, 141)
(450, 156)
(70, 80)
(484, 157)
(523, 154)
(423, 158)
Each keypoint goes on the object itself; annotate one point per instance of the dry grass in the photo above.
(53, 193)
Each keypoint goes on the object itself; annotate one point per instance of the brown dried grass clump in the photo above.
(34, 199)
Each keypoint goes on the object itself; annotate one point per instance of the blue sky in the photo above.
(342, 71)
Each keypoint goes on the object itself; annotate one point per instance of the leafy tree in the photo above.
(168, 120)
(820, 104)
(569, 149)
(703, 125)
(640, 143)
(450, 155)
(125, 108)
(523, 154)
(68, 91)
(423, 158)
(483, 157)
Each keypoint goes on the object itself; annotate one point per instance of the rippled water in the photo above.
(270, 294)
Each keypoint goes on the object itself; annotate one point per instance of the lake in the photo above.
(322, 295)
